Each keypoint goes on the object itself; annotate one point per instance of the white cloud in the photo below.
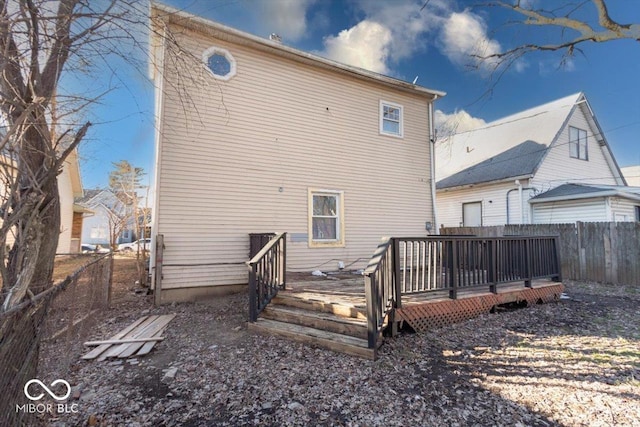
(457, 122)
(390, 32)
(287, 18)
(464, 34)
(366, 45)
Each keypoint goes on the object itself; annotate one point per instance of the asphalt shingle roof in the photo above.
(517, 161)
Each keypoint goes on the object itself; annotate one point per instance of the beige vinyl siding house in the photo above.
(69, 187)
(508, 162)
(280, 141)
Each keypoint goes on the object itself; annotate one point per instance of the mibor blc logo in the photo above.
(40, 408)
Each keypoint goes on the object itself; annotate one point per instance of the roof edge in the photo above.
(201, 24)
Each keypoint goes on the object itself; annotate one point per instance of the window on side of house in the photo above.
(391, 119)
(219, 62)
(578, 143)
(326, 218)
(637, 213)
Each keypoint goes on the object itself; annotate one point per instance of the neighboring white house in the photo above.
(103, 205)
(632, 175)
(592, 202)
(486, 176)
(254, 136)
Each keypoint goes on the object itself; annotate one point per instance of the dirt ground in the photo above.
(571, 363)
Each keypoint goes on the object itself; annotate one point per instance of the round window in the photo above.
(219, 62)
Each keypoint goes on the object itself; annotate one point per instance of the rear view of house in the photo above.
(257, 137)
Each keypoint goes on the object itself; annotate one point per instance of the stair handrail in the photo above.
(380, 289)
(267, 274)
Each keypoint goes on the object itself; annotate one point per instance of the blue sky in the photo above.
(399, 39)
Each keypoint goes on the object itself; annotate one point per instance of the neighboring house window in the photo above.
(391, 119)
(472, 214)
(637, 213)
(219, 62)
(326, 218)
(578, 143)
(98, 232)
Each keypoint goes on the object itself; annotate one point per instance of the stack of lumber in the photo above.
(135, 340)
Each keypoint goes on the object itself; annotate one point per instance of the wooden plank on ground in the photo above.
(115, 350)
(124, 341)
(146, 348)
(151, 330)
(98, 350)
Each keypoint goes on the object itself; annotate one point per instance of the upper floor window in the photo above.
(219, 62)
(391, 119)
(578, 143)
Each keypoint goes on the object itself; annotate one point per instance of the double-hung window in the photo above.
(391, 119)
(326, 218)
(578, 143)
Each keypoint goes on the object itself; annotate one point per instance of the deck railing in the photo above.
(402, 266)
(267, 272)
(446, 263)
(381, 292)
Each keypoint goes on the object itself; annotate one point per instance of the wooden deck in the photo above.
(331, 311)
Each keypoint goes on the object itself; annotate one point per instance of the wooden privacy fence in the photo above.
(596, 251)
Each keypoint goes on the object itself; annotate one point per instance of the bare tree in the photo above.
(40, 41)
(579, 23)
(124, 181)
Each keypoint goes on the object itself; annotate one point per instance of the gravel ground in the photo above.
(571, 363)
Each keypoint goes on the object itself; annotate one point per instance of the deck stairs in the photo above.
(340, 327)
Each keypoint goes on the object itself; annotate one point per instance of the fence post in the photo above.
(557, 255)
(157, 283)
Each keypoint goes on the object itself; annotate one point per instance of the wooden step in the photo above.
(342, 310)
(329, 340)
(318, 320)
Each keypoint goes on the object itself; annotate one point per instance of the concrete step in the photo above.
(315, 337)
(316, 319)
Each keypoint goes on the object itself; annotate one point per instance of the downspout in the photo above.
(432, 141)
(520, 190)
(520, 199)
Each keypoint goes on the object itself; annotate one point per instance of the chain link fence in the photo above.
(32, 334)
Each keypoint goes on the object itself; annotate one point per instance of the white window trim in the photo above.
(586, 144)
(381, 118)
(340, 241)
(213, 50)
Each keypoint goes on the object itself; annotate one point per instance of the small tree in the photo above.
(125, 181)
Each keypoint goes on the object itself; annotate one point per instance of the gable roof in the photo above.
(519, 161)
(583, 191)
(541, 125)
(168, 14)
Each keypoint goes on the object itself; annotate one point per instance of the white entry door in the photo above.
(472, 214)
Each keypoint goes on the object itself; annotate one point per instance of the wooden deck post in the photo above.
(527, 261)
(453, 250)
